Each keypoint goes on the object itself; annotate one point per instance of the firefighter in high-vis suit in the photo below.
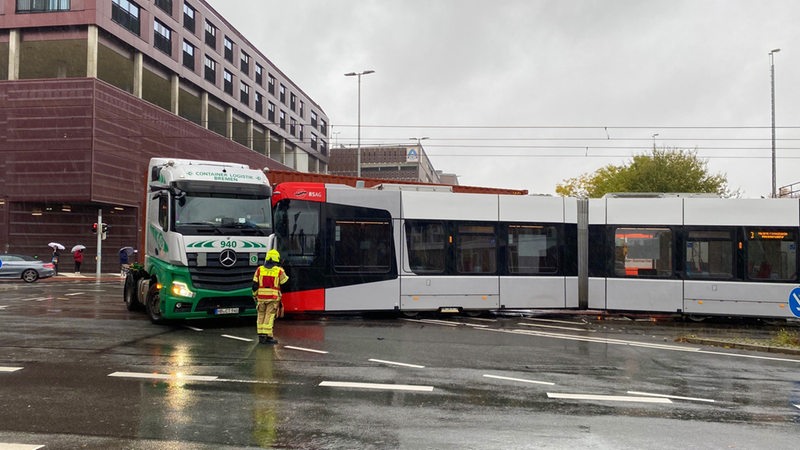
(267, 283)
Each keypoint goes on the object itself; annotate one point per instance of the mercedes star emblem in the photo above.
(227, 258)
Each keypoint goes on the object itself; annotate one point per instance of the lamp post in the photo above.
(358, 154)
(772, 92)
(654, 142)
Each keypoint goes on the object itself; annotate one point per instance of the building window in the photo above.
(165, 5)
(259, 74)
(302, 109)
(162, 37)
(245, 63)
(271, 85)
(283, 120)
(228, 49)
(188, 55)
(323, 147)
(244, 93)
(313, 141)
(211, 70)
(300, 131)
(271, 112)
(313, 119)
(126, 13)
(283, 94)
(292, 126)
(227, 83)
(211, 35)
(259, 103)
(292, 101)
(323, 127)
(26, 6)
(188, 17)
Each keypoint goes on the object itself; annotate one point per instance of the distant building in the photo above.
(405, 162)
(91, 89)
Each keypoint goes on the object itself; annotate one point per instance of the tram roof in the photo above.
(283, 176)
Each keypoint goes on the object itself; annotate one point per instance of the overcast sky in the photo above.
(527, 93)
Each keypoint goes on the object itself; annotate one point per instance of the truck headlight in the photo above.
(181, 289)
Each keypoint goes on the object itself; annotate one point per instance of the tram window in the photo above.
(362, 246)
(427, 244)
(297, 231)
(643, 252)
(771, 254)
(532, 249)
(709, 254)
(476, 249)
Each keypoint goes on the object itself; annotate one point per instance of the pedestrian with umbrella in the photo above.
(124, 254)
(56, 248)
(77, 256)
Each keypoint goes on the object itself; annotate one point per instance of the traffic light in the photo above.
(94, 227)
(105, 227)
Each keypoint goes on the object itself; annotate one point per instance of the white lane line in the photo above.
(676, 397)
(74, 293)
(482, 319)
(552, 326)
(796, 406)
(10, 369)
(568, 322)
(3, 306)
(391, 387)
(236, 337)
(192, 328)
(439, 322)
(396, 363)
(14, 446)
(519, 379)
(163, 376)
(610, 398)
(302, 349)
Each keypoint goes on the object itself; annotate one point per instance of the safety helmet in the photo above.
(273, 255)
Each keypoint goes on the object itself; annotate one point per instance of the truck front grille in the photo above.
(213, 275)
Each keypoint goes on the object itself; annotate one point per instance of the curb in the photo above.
(740, 345)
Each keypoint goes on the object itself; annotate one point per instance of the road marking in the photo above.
(769, 358)
(519, 379)
(3, 306)
(437, 322)
(10, 369)
(74, 293)
(163, 376)
(236, 337)
(483, 319)
(606, 340)
(568, 322)
(391, 387)
(610, 398)
(396, 363)
(676, 397)
(292, 347)
(13, 446)
(553, 326)
(796, 406)
(192, 328)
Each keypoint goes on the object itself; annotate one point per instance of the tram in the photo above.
(412, 249)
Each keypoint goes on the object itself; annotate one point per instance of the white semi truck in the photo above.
(207, 226)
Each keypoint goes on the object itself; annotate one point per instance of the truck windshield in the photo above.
(204, 213)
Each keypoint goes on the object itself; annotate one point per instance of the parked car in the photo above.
(25, 267)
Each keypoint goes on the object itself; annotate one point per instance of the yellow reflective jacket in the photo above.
(269, 281)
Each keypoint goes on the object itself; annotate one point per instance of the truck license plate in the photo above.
(227, 311)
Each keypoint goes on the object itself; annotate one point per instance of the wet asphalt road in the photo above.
(77, 370)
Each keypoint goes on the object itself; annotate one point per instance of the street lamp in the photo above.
(358, 155)
(654, 142)
(772, 89)
(418, 139)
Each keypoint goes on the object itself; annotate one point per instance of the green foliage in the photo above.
(664, 170)
(786, 338)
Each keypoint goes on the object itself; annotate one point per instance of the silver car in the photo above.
(25, 267)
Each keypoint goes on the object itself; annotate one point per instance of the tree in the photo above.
(664, 170)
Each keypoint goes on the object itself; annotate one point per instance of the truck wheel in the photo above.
(129, 295)
(154, 305)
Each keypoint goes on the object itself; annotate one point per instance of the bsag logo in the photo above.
(227, 258)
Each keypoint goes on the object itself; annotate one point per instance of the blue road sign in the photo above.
(794, 301)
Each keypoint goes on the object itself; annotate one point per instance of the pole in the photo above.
(772, 102)
(358, 155)
(99, 243)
